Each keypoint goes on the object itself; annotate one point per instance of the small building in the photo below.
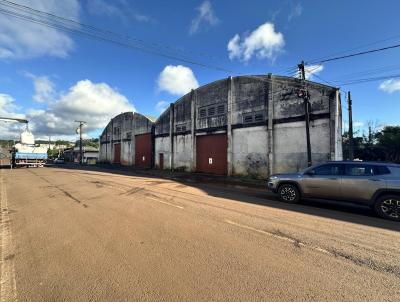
(90, 155)
(128, 140)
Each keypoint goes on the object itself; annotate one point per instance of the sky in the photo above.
(53, 77)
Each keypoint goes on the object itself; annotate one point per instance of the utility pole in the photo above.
(351, 142)
(81, 123)
(303, 93)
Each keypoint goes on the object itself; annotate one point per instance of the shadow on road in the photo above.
(329, 209)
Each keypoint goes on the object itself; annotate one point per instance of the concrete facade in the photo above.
(122, 130)
(263, 118)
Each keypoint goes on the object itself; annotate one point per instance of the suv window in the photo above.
(330, 169)
(381, 170)
(359, 170)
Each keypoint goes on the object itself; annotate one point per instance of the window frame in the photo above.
(341, 169)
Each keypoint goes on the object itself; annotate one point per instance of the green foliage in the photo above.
(6, 143)
(389, 140)
(62, 142)
(379, 145)
(92, 142)
(52, 153)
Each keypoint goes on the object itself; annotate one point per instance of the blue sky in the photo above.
(53, 77)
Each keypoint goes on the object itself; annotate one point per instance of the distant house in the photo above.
(90, 155)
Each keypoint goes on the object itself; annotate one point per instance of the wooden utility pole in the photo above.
(305, 95)
(351, 146)
(81, 123)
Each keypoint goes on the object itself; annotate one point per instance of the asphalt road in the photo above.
(80, 235)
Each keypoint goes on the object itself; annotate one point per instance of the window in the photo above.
(248, 118)
(221, 109)
(253, 117)
(381, 170)
(211, 111)
(117, 131)
(128, 134)
(180, 128)
(359, 170)
(203, 112)
(258, 117)
(330, 169)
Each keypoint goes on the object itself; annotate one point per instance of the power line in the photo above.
(51, 21)
(366, 80)
(76, 23)
(354, 48)
(356, 54)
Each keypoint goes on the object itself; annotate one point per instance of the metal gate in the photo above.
(117, 153)
(211, 154)
(143, 150)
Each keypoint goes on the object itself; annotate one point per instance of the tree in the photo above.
(389, 140)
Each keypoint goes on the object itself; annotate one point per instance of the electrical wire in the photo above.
(40, 13)
(355, 54)
(102, 35)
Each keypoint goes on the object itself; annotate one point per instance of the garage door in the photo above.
(211, 154)
(143, 150)
(117, 153)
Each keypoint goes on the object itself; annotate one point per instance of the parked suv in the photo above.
(374, 184)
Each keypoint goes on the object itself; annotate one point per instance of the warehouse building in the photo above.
(128, 140)
(250, 126)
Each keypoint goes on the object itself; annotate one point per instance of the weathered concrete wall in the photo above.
(211, 105)
(122, 130)
(250, 97)
(290, 147)
(127, 156)
(263, 117)
(162, 145)
(250, 147)
(183, 156)
(287, 103)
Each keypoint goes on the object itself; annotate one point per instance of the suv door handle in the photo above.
(333, 178)
(374, 179)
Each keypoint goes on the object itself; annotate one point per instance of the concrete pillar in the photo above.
(112, 142)
(133, 141)
(231, 99)
(171, 136)
(193, 129)
(270, 133)
(336, 128)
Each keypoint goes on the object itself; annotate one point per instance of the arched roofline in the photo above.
(263, 77)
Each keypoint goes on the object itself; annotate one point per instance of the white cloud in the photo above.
(8, 108)
(390, 86)
(44, 88)
(95, 103)
(263, 42)
(20, 39)
(161, 106)
(177, 80)
(205, 17)
(120, 9)
(313, 70)
(295, 11)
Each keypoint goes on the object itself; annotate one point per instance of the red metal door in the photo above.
(161, 161)
(143, 150)
(211, 154)
(117, 153)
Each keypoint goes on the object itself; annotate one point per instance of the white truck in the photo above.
(26, 153)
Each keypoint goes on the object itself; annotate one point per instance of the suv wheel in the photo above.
(288, 193)
(388, 206)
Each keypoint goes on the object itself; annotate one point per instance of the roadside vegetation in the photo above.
(375, 145)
